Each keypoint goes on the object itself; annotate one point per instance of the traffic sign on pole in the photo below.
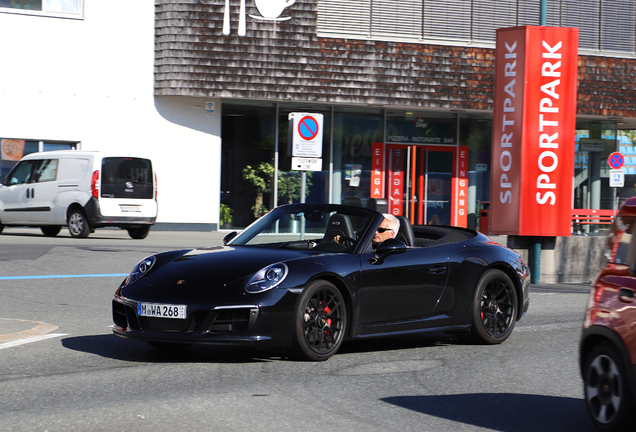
(616, 160)
(306, 134)
(306, 164)
(617, 178)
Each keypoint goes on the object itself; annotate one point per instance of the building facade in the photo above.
(205, 87)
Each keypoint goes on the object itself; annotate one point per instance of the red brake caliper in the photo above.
(327, 310)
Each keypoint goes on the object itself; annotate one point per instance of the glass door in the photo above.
(420, 183)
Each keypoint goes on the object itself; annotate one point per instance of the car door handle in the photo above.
(30, 193)
(437, 270)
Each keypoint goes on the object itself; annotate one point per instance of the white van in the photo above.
(83, 190)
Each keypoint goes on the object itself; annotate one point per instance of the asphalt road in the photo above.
(62, 369)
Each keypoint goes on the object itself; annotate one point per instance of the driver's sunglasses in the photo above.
(381, 230)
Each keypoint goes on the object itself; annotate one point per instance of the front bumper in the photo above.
(238, 325)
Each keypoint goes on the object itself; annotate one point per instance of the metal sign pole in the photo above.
(615, 202)
(303, 186)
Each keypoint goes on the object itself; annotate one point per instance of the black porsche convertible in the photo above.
(306, 277)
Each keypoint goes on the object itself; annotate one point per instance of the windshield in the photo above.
(323, 228)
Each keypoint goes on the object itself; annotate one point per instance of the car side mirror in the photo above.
(229, 237)
(386, 248)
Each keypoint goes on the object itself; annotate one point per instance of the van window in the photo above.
(46, 171)
(21, 174)
(127, 178)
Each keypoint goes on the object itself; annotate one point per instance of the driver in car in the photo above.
(388, 229)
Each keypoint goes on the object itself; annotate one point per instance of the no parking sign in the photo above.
(616, 160)
(306, 129)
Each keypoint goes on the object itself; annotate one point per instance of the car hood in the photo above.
(215, 268)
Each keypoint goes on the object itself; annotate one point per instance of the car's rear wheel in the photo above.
(320, 322)
(51, 230)
(77, 224)
(607, 394)
(139, 233)
(494, 309)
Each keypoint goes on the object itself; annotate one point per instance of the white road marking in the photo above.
(40, 331)
(31, 339)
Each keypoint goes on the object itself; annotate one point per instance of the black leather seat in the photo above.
(339, 225)
(406, 231)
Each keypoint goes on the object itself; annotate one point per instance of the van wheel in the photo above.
(77, 224)
(51, 230)
(139, 233)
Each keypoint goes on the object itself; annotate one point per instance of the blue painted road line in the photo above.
(63, 276)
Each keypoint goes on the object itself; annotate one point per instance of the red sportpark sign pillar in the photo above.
(534, 122)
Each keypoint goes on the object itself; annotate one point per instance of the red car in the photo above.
(608, 344)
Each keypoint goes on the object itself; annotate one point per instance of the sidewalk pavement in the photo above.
(14, 329)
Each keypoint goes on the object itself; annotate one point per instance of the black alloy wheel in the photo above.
(320, 322)
(77, 224)
(494, 308)
(51, 230)
(608, 398)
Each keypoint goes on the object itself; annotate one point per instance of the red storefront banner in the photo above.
(396, 181)
(377, 170)
(460, 216)
(534, 119)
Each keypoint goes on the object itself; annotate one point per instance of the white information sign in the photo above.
(306, 134)
(209, 109)
(592, 144)
(306, 164)
(617, 178)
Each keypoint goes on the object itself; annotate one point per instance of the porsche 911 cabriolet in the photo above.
(306, 277)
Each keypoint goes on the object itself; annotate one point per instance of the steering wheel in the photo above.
(339, 237)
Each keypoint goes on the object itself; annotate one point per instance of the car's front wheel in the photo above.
(494, 308)
(77, 224)
(607, 394)
(320, 322)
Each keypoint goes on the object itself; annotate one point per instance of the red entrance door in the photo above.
(427, 184)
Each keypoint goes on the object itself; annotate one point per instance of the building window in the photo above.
(595, 141)
(354, 132)
(54, 8)
(605, 26)
(12, 150)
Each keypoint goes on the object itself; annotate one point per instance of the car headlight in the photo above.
(267, 278)
(140, 269)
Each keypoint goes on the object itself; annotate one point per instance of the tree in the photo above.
(259, 178)
(289, 185)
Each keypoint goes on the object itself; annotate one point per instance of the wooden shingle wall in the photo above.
(286, 61)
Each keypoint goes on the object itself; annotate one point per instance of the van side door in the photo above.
(44, 191)
(15, 194)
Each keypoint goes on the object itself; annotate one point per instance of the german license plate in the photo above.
(129, 208)
(161, 310)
